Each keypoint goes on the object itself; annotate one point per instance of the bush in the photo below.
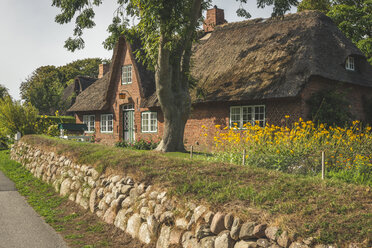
(139, 144)
(16, 117)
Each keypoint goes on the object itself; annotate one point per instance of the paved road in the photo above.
(20, 225)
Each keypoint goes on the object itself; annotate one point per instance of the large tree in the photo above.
(44, 87)
(353, 18)
(167, 29)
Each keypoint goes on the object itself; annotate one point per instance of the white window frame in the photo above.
(89, 120)
(149, 117)
(350, 64)
(105, 123)
(126, 74)
(253, 115)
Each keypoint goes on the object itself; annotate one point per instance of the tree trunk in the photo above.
(172, 86)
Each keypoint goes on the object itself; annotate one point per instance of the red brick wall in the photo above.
(355, 95)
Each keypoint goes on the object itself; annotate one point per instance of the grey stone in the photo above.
(246, 230)
(283, 239)
(115, 179)
(167, 218)
(152, 224)
(208, 217)
(188, 240)
(218, 224)
(207, 242)
(235, 228)
(122, 218)
(301, 245)
(133, 193)
(175, 237)
(309, 241)
(161, 196)
(229, 219)
(102, 205)
(100, 193)
(203, 231)
(271, 232)
(72, 196)
(144, 234)
(245, 244)
(65, 187)
(224, 240)
(259, 231)
(198, 212)
(125, 189)
(163, 240)
(263, 243)
(144, 212)
(153, 195)
(181, 223)
(133, 225)
(127, 202)
(110, 215)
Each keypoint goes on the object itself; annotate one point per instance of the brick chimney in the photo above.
(215, 17)
(103, 69)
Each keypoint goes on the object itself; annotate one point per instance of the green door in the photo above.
(128, 124)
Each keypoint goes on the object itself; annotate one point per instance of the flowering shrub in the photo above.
(298, 149)
(139, 144)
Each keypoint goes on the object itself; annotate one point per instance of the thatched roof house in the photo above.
(80, 84)
(272, 63)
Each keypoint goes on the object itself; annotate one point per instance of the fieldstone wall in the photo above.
(146, 213)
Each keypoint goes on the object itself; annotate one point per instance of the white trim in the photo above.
(88, 122)
(149, 115)
(350, 63)
(126, 73)
(107, 122)
(252, 118)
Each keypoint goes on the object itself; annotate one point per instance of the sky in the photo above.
(29, 37)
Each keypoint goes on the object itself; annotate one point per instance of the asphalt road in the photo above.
(20, 225)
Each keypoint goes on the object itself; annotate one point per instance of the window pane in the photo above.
(235, 116)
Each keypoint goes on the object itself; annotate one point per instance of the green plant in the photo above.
(329, 107)
(139, 144)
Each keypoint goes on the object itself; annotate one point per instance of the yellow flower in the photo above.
(287, 116)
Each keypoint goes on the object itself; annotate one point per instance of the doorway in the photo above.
(128, 122)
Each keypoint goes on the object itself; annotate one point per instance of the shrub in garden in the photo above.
(298, 149)
(139, 144)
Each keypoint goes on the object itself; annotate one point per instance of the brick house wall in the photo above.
(354, 94)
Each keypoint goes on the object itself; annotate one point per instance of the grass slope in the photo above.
(79, 228)
(329, 210)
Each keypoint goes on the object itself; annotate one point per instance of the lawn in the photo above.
(330, 210)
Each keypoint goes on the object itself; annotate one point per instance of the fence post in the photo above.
(244, 152)
(323, 166)
(191, 151)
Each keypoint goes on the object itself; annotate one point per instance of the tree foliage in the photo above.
(353, 18)
(3, 91)
(44, 87)
(16, 117)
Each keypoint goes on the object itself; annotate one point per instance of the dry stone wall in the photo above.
(145, 213)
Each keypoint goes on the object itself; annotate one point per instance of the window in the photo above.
(149, 122)
(244, 114)
(89, 121)
(350, 65)
(126, 74)
(107, 123)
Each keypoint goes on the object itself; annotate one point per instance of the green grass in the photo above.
(329, 210)
(47, 203)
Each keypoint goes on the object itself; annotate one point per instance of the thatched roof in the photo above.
(255, 59)
(75, 88)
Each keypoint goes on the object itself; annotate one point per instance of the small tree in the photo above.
(15, 117)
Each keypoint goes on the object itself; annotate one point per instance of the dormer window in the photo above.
(126, 74)
(350, 65)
